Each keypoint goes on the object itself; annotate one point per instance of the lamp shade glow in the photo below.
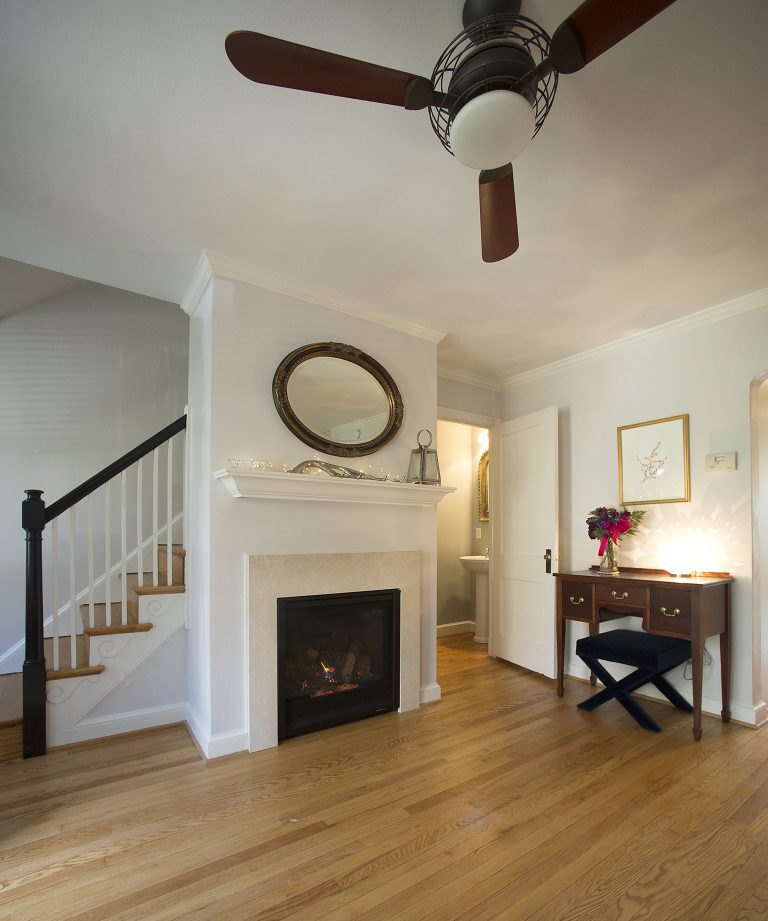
(492, 130)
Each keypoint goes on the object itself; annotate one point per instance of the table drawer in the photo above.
(577, 600)
(626, 594)
(670, 612)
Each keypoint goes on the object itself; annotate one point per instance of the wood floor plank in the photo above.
(501, 801)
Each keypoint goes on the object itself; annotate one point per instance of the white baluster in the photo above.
(108, 555)
(155, 579)
(72, 589)
(90, 561)
(55, 614)
(169, 514)
(123, 549)
(139, 522)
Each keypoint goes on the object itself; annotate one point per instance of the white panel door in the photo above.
(524, 506)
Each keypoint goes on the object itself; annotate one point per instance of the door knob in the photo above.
(548, 559)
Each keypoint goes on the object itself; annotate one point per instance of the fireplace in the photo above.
(337, 659)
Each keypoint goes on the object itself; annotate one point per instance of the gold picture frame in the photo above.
(654, 463)
(482, 487)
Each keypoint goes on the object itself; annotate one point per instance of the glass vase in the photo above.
(608, 565)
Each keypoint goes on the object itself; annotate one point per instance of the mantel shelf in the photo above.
(270, 484)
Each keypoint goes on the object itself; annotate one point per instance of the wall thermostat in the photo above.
(725, 460)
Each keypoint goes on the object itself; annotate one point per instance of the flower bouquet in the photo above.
(610, 525)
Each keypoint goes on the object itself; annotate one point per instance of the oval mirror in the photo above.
(337, 399)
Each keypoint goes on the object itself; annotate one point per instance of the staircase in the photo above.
(121, 519)
(109, 651)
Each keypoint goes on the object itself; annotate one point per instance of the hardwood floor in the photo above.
(499, 802)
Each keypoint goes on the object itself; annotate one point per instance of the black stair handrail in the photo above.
(34, 517)
(123, 463)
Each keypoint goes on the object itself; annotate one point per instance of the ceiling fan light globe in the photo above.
(493, 129)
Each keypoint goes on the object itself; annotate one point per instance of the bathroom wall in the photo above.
(454, 516)
(479, 545)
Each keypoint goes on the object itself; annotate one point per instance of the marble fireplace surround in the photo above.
(289, 575)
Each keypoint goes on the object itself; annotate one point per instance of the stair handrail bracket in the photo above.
(35, 515)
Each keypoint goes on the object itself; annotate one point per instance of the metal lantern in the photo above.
(423, 467)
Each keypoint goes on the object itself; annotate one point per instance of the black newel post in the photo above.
(33, 522)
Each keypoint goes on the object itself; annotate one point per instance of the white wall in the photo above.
(460, 401)
(84, 377)
(704, 371)
(249, 331)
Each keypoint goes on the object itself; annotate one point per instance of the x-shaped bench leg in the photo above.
(620, 691)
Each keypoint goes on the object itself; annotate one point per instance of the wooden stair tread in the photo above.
(117, 628)
(79, 672)
(159, 589)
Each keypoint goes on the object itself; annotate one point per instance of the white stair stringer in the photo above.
(70, 700)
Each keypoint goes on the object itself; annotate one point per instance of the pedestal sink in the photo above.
(479, 566)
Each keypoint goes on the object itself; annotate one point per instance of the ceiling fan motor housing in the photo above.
(499, 52)
(492, 65)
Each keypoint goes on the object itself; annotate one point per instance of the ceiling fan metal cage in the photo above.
(517, 32)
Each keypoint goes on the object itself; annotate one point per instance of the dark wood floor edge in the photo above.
(9, 724)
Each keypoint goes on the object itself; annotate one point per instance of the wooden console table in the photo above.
(689, 607)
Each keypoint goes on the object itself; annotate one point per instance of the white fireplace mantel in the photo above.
(270, 484)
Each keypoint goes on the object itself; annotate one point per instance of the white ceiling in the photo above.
(128, 144)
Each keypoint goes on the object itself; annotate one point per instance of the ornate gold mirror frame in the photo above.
(482, 487)
(346, 353)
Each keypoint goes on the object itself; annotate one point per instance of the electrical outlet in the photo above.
(478, 533)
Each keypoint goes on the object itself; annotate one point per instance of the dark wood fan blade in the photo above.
(276, 62)
(498, 214)
(596, 26)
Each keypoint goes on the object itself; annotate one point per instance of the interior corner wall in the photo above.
(251, 330)
(706, 372)
(84, 377)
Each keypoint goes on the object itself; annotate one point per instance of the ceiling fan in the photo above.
(489, 94)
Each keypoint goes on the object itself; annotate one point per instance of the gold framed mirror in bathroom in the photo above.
(482, 487)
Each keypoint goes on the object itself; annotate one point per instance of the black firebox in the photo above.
(338, 659)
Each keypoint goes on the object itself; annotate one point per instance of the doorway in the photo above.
(462, 529)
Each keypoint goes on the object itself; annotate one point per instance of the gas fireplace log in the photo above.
(349, 663)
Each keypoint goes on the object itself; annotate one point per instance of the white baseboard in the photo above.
(431, 693)
(459, 626)
(215, 746)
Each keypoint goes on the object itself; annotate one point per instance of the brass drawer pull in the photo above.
(574, 601)
(666, 613)
(619, 597)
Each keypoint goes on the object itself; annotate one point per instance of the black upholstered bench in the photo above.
(649, 654)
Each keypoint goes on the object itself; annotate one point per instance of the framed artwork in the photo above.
(653, 462)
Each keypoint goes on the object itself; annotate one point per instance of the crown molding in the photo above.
(215, 265)
(478, 420)
(468, 377)
(706, 317)
(199, 282)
